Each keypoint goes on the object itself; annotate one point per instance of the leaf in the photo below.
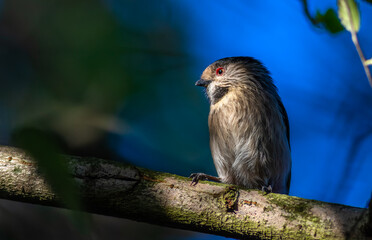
(368, 62)
(330, 21)
(349, 15)
(44, 150)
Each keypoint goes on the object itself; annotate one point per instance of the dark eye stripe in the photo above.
(218, 94)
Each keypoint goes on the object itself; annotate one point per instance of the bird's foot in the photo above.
(196, 177)
(267, 189)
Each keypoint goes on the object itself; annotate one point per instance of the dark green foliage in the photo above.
(71, 66)
(330, 21)
(81, 65)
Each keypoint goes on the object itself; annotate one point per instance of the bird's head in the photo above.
(232, 73)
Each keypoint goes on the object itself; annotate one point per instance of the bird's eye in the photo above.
(220, 71)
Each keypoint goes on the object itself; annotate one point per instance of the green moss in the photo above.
(294, 206)
(268, 208)
(159, 176)
(163, 175)
(229, 225)
(17, 169)
(229, 198)
(298, 209)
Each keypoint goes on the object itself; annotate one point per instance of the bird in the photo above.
(248, 126)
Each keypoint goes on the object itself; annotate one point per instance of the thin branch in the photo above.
(307, 13)
(355, 40)
(361, 56)
(124, 191)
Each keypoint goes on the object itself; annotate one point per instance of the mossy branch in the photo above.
(115, 189)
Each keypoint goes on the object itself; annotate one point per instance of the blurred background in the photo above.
(115, 79)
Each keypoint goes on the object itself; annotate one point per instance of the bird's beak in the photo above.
(202, 83)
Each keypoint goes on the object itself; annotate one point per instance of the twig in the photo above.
(354, 38)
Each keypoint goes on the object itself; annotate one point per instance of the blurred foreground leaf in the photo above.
(42, 147)
(349, 15)
(369, 62)
(330, 21)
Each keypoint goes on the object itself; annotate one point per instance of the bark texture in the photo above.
(115, 189)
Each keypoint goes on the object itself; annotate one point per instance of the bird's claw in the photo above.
(196, 177)
(267, 189)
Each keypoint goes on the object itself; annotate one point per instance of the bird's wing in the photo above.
(285, 120)
(286, 123)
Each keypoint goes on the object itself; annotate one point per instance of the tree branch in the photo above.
(115, 189)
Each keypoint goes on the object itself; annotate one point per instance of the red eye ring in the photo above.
(220, 71)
